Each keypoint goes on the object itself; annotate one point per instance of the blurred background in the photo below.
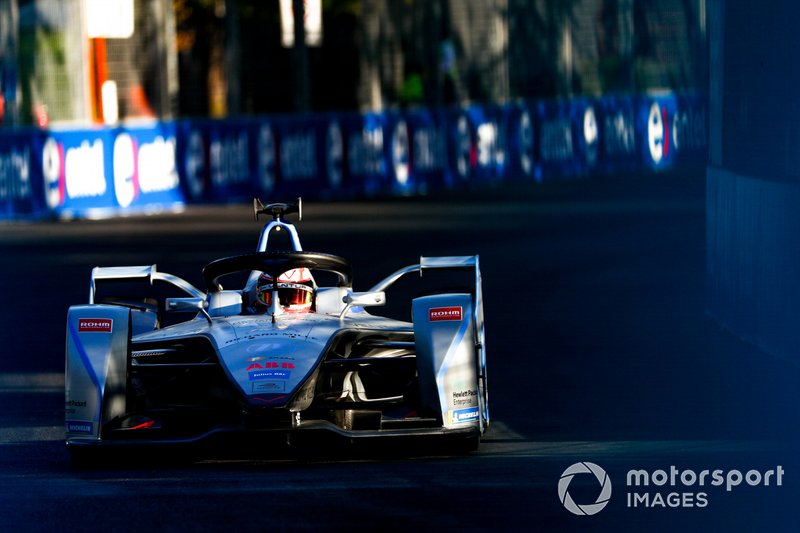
(85, 61)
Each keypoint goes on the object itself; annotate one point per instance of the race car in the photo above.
(284, 360)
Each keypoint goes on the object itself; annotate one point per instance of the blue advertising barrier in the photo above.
(21, 194)
(102, 171)
(88, 173)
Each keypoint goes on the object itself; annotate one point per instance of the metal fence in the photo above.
(224, 57)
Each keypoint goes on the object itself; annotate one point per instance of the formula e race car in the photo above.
(281, 361)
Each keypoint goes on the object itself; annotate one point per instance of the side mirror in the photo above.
(184, 305)
(365, 299)
(187, 305)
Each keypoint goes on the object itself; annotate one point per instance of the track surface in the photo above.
(599, 350)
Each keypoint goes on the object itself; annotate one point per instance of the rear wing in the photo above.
(148, 273)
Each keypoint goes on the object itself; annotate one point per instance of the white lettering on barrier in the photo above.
(689, 130)
(151, 170)
(15, 183)
(366, 152)
(157, 172)
(463, 147)
(298, 156)
(84, 170)
(657, 134)
(400, 152)
(429, 149)
(591, 135)
(195, 163)
(526, 143)
(228, 160)
(334, 153)
(619, 135)
(557, 140)
(52, 164)
(266, 158)
(124, 170)
(487, 133)
(491, 144)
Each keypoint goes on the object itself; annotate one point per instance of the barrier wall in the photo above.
(98, 172)
(753, 259)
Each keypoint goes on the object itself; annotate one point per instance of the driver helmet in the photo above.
(296, 290)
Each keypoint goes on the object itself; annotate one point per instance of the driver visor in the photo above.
(288, 293)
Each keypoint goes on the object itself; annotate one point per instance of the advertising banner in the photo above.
(557, 143)
(428, 164)
(106, 171)
(673, 130)
(523, 162)
(619, 141)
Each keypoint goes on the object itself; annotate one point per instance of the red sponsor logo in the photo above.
(95, 325)
(271, 364)
(437, 314)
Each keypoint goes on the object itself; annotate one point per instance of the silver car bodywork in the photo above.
(339, 370)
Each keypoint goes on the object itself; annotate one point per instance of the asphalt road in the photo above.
(599, 351)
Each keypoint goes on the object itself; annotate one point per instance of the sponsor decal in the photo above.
(271, 364)
(464, 398)
(269, 386)
(438, 314)
(86, 428)
(70, 405)
(257, 375)
(464, 415)
(95, 325)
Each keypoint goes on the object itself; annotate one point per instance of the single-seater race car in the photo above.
(280, 361)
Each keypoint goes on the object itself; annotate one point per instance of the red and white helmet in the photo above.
(296, 290)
